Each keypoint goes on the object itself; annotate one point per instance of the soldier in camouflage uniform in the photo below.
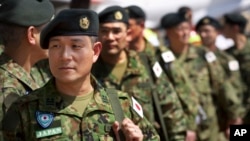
(208, 28)
(20, 35)
(211, 85)
(72, 105)
(234, 28)
(150, 55)
(121, 68)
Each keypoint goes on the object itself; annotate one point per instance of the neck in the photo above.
(23, 56)
(212, 47)
(240, 41)
(116, 58)
(178, 48)
(137, 44)
(76, 88)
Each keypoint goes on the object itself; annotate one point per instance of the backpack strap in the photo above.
(117, 108)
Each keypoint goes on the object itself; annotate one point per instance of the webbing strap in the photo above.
(116, 106)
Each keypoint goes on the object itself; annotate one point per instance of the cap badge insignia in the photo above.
(118, 15)
(84, 23)
(206, 21)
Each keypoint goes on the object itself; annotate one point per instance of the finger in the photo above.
(116, 129)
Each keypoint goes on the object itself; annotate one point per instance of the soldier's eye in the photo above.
(53, 46)
(76, 46)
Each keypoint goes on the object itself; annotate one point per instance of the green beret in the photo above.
(26, 12)
(235, 18)
(208, 21)
(113, 14)
(135, 12)
(172, 19)
(71, 22)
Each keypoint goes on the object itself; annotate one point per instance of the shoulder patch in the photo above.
(233, 65)
(168, 56)
(137, 107)
(44, 119)
(210, 57)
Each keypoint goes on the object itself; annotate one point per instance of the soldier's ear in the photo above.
(128, 38)
(32, 35)
(97, 48)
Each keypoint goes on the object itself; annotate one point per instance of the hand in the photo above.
(236, 121)
(131, 131)
(191, 136)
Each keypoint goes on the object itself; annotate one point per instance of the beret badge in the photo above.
(84, 23)
(118, 15)
(206, 21)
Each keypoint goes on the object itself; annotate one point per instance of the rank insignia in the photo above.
(118, 15)
(84, 23)
(44, 119)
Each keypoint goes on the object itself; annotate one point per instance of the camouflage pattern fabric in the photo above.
(40, 72)
(14, 82)
(219, 91)
(176, 126)
(183, 86)
(224, 89)
(197, 71)
(243, 58)
(232, 72)
(24, 120)
(135, 81)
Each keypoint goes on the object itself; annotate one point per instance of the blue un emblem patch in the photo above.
(44, 119)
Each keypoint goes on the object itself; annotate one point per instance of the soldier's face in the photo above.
(179, 34)
(208, 35)
(113, 37)
(228, 30)
(136, 29)
(71, 57)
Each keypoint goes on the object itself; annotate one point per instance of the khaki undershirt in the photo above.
(79, 103)
(119, 70)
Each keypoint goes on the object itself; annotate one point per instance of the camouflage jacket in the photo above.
(166, 95)
(182, 85)
(231, 67)
(43, 115)
(197, 71)
(14, 82)
(225, 94)
(135, 81)
(243, 58)
(213, 88)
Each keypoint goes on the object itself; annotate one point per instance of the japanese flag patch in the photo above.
(137, 107)
(157, 69)
(210, 57)
(168, 56)
(233, 65)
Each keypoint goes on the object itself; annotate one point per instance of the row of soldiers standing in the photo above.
(187, 93)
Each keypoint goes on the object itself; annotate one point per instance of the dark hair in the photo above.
(184, 9)
(12, 35)
(93, 39)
